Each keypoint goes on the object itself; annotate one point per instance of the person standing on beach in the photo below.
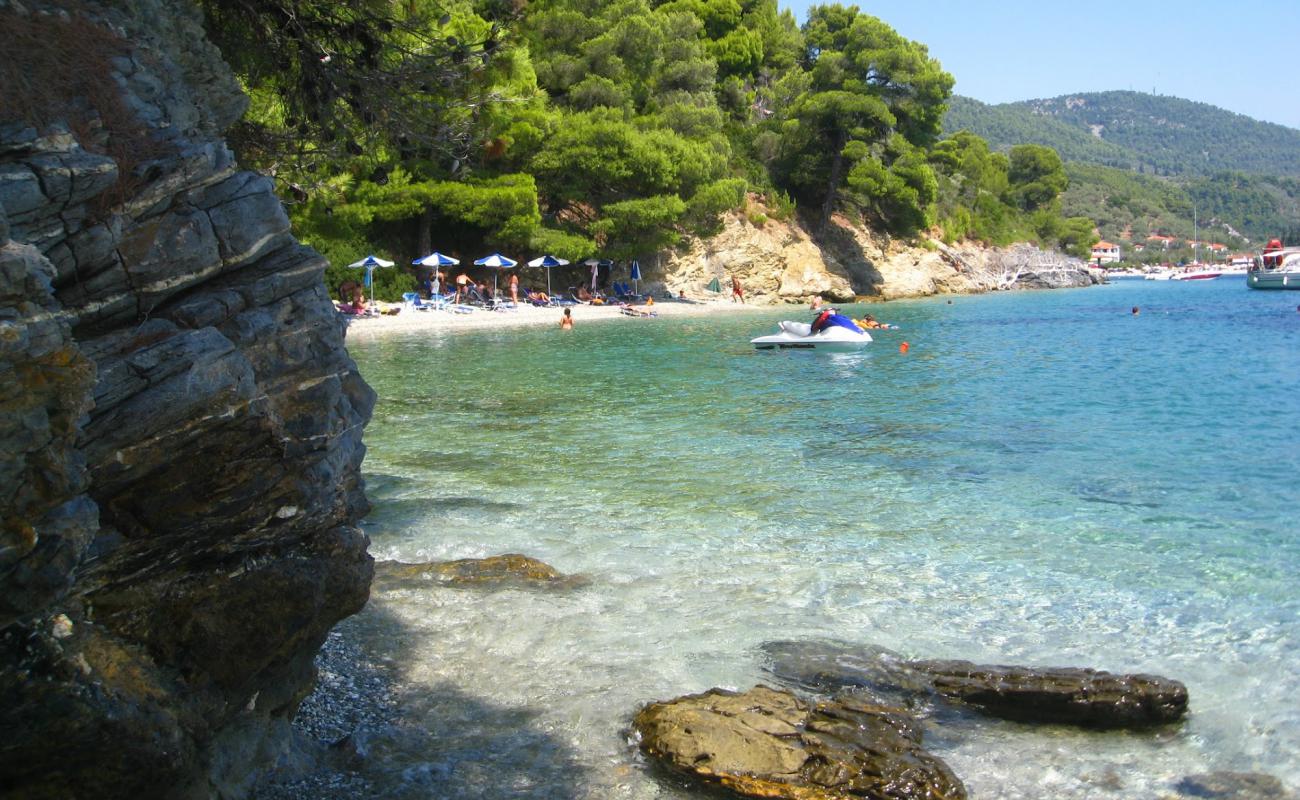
(736, 292)
(462, 286)
(566, 321)
(514, 288)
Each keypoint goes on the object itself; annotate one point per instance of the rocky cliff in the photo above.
(782, 262)
(181, 423)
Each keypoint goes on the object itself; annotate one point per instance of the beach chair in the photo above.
(412, 300)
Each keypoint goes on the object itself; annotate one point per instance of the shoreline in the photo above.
(409, 320)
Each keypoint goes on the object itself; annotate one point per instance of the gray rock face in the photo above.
(1083, 697)
(183, 435)
(769, 743)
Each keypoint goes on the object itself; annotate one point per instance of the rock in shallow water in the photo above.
(510, 569)
(769, 743)
(1084, 697)
(1233, 786)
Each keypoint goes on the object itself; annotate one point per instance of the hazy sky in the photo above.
(1239, 55)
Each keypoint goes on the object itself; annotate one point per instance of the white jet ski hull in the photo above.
(799, 336)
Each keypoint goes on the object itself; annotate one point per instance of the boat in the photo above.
(1196, 272)
(1277, 268)
(799, 336)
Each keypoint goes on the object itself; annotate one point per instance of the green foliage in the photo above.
(631, 227)
(1077, 236)
(576, 127)
(864, 84)
(705, 209)
(1138, 163)
(1036, 176)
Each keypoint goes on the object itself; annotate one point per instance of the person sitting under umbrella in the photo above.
(352, 298)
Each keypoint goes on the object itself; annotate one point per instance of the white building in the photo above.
(1105, 253)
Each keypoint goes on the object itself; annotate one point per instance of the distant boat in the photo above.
(1277, 268)
(1197, 272)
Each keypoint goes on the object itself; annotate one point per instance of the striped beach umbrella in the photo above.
(496, 261)
(547, 262)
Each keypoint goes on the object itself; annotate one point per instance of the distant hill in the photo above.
(1139, 163)
(1133, 130)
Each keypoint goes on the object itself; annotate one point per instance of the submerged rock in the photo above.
(1234, 786)
(510, 569)
(769, 743)
(1084, 697)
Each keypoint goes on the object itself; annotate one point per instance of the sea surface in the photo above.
(1044, 478)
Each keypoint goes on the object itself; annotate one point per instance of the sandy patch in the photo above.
(409, 320)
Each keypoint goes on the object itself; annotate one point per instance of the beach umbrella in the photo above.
(435, 260)
(546, 262)
(496, 261)
(715, 285)
(635, 276)
(370, 263)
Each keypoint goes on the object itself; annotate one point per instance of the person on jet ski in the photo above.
(832, 317)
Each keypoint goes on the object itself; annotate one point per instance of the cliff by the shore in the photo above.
(182, 428)
(783, 262)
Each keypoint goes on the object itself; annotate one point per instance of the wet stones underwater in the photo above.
(839, 720)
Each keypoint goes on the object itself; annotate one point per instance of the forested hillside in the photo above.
(1148, 133)
(1143, 164)
(581, 127)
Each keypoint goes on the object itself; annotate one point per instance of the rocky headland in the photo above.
(181, 421)
(786, 262)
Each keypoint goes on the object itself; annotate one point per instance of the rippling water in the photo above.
(1043, 479)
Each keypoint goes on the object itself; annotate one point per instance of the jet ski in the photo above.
(799, 336)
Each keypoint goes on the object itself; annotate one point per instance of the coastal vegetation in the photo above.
(1144, 165)
(578, 127)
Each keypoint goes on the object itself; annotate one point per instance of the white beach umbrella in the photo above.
(547, 262)
(370, 263)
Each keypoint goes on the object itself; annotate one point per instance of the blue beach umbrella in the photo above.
(635, 276)
(546, 262)
(435, 260)
(370, 263)
(496, 261)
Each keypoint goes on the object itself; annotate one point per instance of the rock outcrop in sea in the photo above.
(182, 429)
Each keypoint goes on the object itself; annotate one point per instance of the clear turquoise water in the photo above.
(1043, 479)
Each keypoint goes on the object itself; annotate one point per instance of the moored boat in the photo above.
(1277, 268)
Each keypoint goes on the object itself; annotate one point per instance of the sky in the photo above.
(1240, 56)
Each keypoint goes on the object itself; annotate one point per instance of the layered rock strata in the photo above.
(183, 435)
